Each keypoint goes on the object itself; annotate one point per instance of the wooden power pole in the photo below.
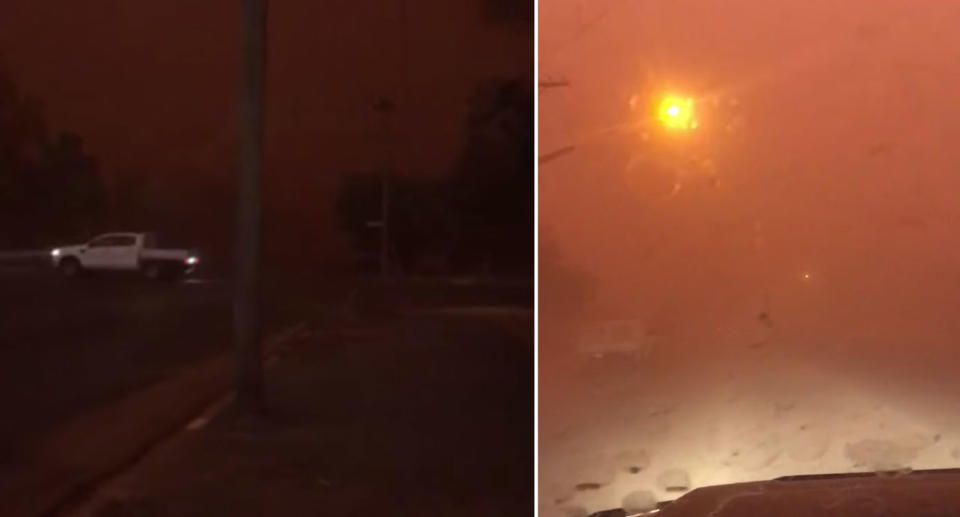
(386, 107)
(246, 309)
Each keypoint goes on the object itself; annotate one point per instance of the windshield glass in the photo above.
(748, 255)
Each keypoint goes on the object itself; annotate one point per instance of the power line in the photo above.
(552, 83)
(555, 154)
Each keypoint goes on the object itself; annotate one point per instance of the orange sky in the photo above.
(844, 160)
(152, 86)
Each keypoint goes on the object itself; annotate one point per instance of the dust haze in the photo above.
(842, 166)
(810, 220)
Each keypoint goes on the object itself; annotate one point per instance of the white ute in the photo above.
(130, 252)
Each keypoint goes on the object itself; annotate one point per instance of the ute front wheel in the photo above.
(70, 268)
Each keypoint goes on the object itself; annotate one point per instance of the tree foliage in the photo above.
(493, 184)
(512, 10)
(478, 217)
(49, 186)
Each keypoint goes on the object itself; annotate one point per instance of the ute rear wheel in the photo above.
(152, 271)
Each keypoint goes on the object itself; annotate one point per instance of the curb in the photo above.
(70, 462)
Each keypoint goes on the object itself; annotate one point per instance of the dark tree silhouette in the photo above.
(358, 203)
(493, 188)
(50, 188)
(419, 213)
(479, 217)
(423, 225)
(512, 10)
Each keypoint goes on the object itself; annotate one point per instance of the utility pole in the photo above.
(385, 107)
(246, 307)
(385, 229)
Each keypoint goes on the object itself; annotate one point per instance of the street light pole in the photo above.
(385, 106)
(246, 309)
(385, 227)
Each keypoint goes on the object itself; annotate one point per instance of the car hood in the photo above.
(927, 492)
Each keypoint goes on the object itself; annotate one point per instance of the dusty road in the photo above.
(832, 381)
(70, 346)
(427, 413)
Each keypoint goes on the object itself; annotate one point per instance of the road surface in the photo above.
(835, 382)
(68, 346)
(423, 414)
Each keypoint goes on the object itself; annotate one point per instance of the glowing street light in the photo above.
(677, 113)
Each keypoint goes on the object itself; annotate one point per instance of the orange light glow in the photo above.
(676, 113)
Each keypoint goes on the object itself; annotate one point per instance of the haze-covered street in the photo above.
(724, 408)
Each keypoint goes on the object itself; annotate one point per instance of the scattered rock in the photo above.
(674, 480)
(639, 501)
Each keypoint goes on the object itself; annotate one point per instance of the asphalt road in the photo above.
(69, 346)
(423, 414)
(72, 345)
